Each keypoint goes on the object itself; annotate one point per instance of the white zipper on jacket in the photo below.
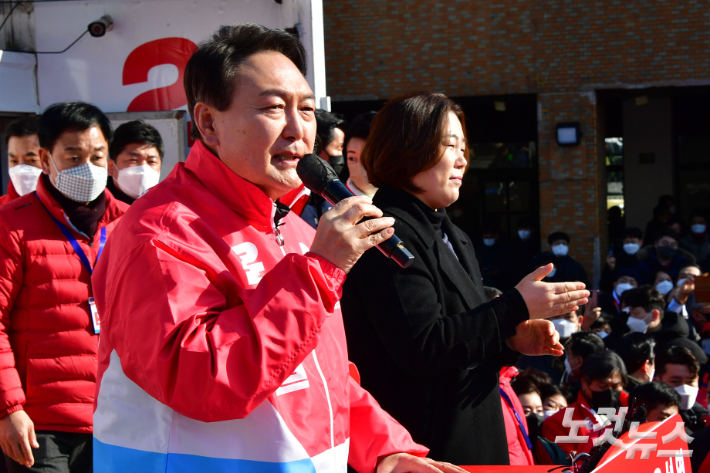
(277, 233)
(330, 406)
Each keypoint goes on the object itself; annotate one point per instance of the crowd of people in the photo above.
(643, 335)
(229, 298)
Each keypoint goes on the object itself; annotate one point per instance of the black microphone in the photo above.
(320, 178)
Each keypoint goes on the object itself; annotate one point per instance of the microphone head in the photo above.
(315, 173)
(641, 412)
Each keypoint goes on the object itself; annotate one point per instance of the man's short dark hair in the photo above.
(629, 272)
(326, 123)
(526, 222)
(633, 232)
(647, 297)
(601, 365)
(667, 232)
(635, 349)
(70, 116)
(653, 394)
(25, 126)
(212, 71)
(676, 356)
(135, 131)
(585, 343)
(553, 237)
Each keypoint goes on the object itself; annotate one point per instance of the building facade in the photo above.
(634, 75)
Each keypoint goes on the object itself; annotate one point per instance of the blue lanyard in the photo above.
(517, 417)
(75, 244)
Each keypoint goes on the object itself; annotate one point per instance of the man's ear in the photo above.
(112, 168)
(656, 314)
(205, 122)
(44, 160)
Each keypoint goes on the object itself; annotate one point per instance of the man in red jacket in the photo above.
(223, 347)
(603, 378)
(23, 158)
(50, 241)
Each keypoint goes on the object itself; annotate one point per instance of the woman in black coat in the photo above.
(428, 346)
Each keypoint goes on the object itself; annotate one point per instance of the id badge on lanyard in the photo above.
(95, 320)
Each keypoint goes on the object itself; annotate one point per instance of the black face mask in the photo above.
(667, 251)
(534, 422)
(606, 398)
(337, 163)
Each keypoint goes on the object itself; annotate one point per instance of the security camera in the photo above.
(99, 27)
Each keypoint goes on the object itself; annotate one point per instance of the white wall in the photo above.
(93, 69)
(647, 129)
(18, 83)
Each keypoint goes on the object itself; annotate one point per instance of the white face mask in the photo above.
(681, 282)
(651, 374)
(688, 394)
(135, 180)
(489, 241)
(524, 234)
(552, 273)
(637, 325)
(664, 287)
(706, 346)
(622, 288)
(83, 183)
(697, 228)
(546, 414)
(564, 327)
(24, 178)
(560, 250)
(631, 248)
(568, 367)
(602, 334)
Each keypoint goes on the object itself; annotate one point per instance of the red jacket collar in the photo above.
(240, 195)
(11, 191)
(623, 400)
(114, 208)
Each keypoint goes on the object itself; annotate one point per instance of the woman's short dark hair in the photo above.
(406, 137)
(359, 127)
(25, 126)
(549, 390)
(135, 131)
(211, 72)
(524, 386)
(70, 116)
(534, 375)
(601, 365)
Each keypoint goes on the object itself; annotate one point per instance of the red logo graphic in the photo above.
(176, 51)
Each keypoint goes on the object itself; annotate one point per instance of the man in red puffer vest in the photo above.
(50, 241)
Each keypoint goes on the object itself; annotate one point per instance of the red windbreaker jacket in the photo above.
(222, 342)
(48, 347)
